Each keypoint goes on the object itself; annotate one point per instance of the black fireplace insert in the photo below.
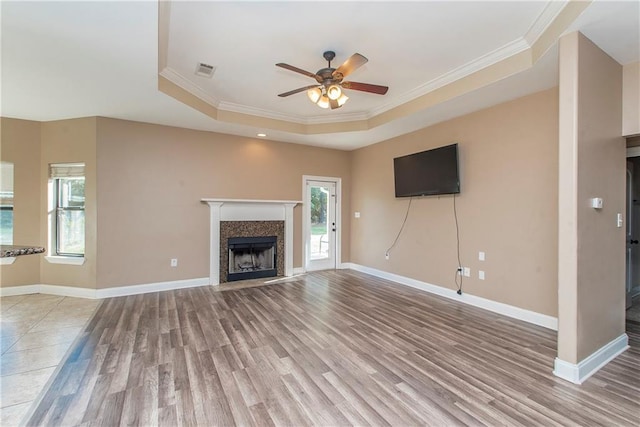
(252, 258)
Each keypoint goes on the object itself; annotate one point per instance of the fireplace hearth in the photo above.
(252, 257)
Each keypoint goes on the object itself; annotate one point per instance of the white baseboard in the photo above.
(341, 266)
(119, 291)
(68, 291)
(579, 373)
(151, 287)
(539, 319)
(11, 291)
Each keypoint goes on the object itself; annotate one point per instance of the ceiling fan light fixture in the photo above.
(342, 100)
(323, 97)
(314, 94)
(323, 102)
(334, 92)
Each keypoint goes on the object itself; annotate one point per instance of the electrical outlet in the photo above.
(356, 214)
(481, 256)
(174, 262)
(386, 255)
(467, 272)
(459, 270)
(481, 275)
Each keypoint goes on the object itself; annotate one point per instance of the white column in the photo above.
(214, 242)
(288, 238)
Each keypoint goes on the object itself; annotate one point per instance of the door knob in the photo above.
(633, 242)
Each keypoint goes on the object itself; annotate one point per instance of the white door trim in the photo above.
(631, 153)
(306, 221)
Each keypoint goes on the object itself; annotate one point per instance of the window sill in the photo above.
(69, 260)
(7, 260)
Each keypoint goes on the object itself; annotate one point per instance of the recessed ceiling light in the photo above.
(262, 135)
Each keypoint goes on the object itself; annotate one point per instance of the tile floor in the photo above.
(35, 333)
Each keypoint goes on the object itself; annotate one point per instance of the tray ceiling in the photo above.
(137, 61)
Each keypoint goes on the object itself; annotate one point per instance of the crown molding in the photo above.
(253, 111)
(546, 18)
(491, 58)
(178, 79)
(349, 117)
(259, 112)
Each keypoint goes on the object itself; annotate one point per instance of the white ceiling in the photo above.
(74, 59)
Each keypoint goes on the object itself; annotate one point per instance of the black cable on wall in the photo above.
(386, 253)
(459, 271)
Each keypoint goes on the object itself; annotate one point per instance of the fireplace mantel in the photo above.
(248, 210)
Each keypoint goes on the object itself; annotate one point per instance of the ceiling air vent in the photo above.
(205, 70)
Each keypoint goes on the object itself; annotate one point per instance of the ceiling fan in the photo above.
(328, 90)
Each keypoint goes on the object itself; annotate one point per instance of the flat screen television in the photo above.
(427, 173)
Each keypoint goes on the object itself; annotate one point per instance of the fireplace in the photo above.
(251, 241)
(252, 257)
(242, 218)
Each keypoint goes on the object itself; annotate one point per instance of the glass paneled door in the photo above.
(320, 218)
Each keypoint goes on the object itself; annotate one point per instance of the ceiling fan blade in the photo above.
(354, 62)
(300, 89)
(296, 69)
(365, 87)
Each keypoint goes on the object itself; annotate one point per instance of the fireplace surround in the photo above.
(248, 210)
(258, 231)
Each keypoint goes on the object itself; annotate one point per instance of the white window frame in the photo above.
(57, 172)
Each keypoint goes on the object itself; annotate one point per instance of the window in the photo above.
(6, 203)
(67, 215)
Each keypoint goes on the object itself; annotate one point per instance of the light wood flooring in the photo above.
(35, 333)
(330, 348)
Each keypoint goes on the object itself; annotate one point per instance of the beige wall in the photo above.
(507, 206)
(6, 179)
(150, 182)
(592, 164)
(20, 144)
(631, 99)
(69, 141)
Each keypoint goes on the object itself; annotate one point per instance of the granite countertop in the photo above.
(7, 251)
